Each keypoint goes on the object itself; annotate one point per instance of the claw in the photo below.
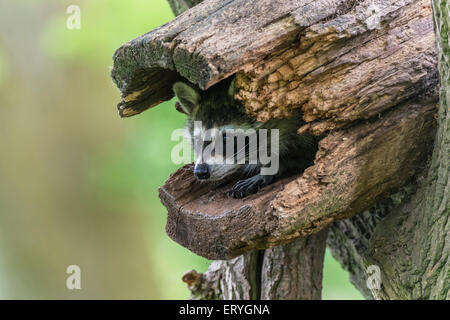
(247, 187)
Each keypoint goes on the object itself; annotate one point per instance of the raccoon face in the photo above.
(215, 155)
(210, 114)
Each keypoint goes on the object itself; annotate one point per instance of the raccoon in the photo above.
(217, 111)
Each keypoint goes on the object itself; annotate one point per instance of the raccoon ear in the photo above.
(232, 89)
(188, 96)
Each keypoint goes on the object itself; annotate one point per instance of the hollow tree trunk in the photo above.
(293, 271)
(408, 234)
(370, 237)
(364, 75)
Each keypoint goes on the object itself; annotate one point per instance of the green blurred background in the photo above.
(78, 185)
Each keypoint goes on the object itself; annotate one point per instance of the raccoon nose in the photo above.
(201, 171)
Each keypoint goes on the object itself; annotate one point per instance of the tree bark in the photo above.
(294, 271)
(408, 234)
(235, 279)
(289, 272)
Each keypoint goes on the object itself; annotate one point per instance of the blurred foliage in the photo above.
(2, 69)
(78, 184)
(105, 25)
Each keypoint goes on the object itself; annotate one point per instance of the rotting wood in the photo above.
(346, 66)
(353, 168)
(292, 271)
(338, 62)
(334, 35)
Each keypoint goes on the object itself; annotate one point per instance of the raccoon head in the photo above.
(211, 114)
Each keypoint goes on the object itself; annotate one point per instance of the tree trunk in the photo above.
(408, 234)
(292, 271)
(364, 75)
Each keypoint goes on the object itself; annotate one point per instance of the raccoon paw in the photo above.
(249, 186)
